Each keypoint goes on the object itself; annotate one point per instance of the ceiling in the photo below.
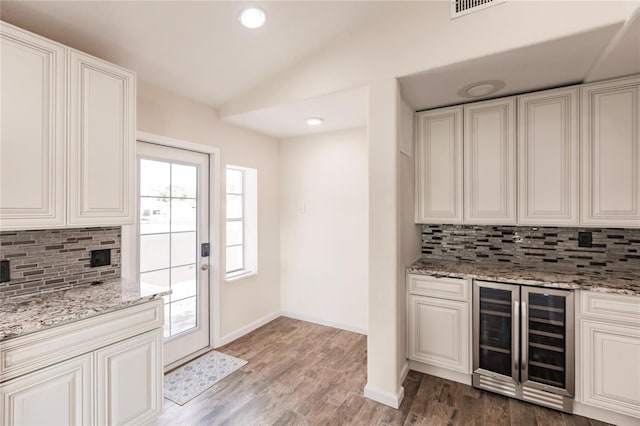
(199, 50)
(602, 53)
(195, 48)
(341, 110)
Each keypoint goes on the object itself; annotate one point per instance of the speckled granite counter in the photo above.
(573, 279)
(27, 314)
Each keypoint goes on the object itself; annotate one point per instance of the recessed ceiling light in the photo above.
(481, 88)
(315, 121)
(253, 17)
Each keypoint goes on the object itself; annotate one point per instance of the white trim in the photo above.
(214, 222)
(386, 398)
(405, 371)
(241, 276)
(603, 415)
(333, 324)
(247, 329)
(445, 373)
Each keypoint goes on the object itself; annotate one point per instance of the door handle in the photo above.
(515, 314)
(205, 267)
(525, 335)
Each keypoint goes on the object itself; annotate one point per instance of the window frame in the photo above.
(249, 231)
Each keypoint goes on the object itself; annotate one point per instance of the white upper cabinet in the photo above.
(548, 158)
(439, 166)
(67, 147)
(490, 162)
(32, 148)
(101, 142)
(611, 153)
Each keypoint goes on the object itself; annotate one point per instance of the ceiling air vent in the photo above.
(463, 7)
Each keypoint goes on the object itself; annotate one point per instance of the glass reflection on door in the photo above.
(168, 240)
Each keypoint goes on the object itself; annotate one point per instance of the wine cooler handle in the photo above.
(525, 334)
(516, 332)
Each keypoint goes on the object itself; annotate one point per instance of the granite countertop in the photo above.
(627, 282)
(21, 315)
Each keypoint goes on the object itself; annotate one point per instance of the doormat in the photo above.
(185, 383)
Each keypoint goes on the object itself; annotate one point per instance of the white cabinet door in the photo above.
(32, 141)
(439, 332)
(611, 153)
(611, 366)
(129, 380)
(439, 166)
(490, 162)
(548, 158)
(101, 142)
(57, 395)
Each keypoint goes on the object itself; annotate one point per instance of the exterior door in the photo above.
(173, 225)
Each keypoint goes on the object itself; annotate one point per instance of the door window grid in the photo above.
(235, 251)
(181, 306)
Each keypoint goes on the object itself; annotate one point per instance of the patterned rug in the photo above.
(185, 383)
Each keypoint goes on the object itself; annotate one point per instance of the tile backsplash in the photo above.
(613, 249)
(53, 259)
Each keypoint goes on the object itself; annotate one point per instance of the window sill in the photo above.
(237, 276)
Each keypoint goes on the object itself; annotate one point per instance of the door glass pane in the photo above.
(153, 282)
(183, 248)
(183, 181)
(547, 339)
(155, 178)
(183, 215)
(183, 282)
(168, 239)
(154, 252)
(234, 233)
(154, 215)
(234, 258)
(495, 330)
(183, 315)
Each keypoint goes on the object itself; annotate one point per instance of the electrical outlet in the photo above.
(100, 257)
(585, 239)
(4, 271)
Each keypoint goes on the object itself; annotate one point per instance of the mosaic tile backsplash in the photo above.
(613, 249)
(47, 260)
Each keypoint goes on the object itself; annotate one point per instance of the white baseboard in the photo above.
(604, 415)
(246, 329)
(445, 373)
(307, 318)
(386, 398)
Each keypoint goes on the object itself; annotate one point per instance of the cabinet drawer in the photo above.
(611, 307)
(441, 287)
(28, 353)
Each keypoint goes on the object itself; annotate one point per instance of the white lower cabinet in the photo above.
(609, 354)
(128, 379)
(439, 332)
(117, 379)
(439, 326)
(57, 395)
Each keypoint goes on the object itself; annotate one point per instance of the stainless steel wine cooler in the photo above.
(523, 343)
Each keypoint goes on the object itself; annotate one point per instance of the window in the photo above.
(241, 221)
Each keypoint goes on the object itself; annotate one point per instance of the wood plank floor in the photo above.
(306, 374)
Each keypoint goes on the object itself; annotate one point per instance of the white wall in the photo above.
(409, 233)
(163, 113)
(324, 234)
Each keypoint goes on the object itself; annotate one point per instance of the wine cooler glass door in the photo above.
(547, 340)
(496, 329)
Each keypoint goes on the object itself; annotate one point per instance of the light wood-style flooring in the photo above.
(301, 373)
